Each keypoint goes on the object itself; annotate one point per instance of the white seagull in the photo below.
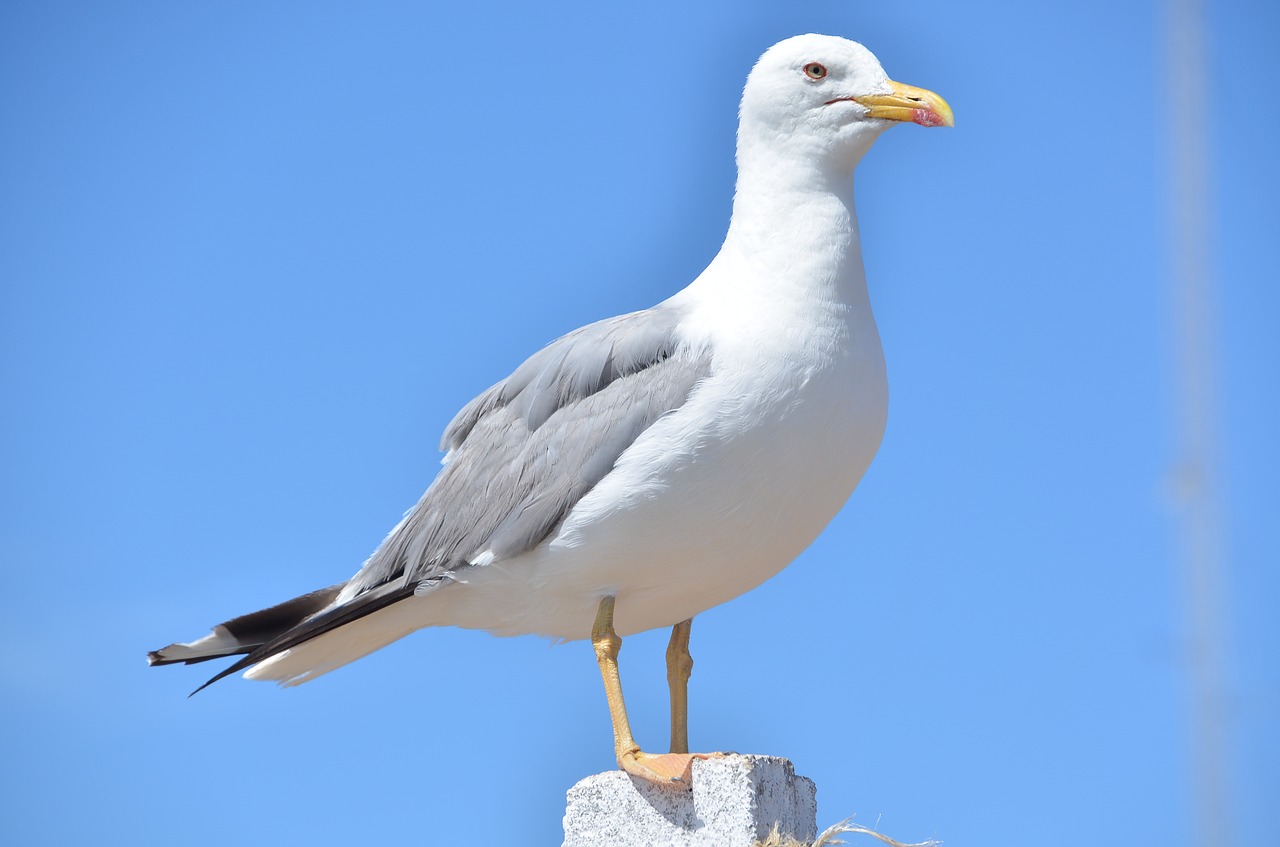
(647, 467)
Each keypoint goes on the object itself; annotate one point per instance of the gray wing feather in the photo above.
(528, 449)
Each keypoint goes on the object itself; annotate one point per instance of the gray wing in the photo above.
(521, 455)
(527, 449)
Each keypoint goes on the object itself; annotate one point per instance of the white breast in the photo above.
(717, 496)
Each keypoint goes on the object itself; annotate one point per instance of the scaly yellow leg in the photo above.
(679, 668)
(664, 768)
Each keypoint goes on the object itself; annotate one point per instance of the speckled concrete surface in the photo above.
(734, 802)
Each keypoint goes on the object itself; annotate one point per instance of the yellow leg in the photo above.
(679, 668)
(664, 768)
(607, 645)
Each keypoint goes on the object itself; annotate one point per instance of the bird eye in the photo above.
(815, 71)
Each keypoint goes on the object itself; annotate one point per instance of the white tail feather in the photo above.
(219, 642)
(343, 645)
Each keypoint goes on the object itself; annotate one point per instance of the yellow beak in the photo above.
(908, 103)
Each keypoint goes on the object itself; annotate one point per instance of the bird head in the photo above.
(827, 98)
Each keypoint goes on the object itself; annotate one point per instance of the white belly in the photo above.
(710, 502)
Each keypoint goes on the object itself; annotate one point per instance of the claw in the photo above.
(663, 768)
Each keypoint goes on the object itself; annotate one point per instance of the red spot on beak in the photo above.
(927, 117)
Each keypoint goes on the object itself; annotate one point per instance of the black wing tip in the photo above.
(156, 658)
(225, 672)
(303, 632)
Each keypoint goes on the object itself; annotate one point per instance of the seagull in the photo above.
(647, 467)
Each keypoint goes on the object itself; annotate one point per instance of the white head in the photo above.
(824, 100)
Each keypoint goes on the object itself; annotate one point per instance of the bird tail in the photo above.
(247, 632)
(303, 638)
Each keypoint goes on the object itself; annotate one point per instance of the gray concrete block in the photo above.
(734, 802)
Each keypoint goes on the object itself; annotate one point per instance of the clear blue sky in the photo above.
(255, 255)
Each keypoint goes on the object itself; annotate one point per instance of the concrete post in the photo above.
(735, 801)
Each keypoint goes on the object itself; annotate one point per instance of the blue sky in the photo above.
(255, 255)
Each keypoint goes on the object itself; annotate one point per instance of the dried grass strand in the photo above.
(828, 837)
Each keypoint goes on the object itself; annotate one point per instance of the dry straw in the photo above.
(828, 837)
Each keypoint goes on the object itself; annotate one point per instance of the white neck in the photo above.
(787, 289)
(793, 200)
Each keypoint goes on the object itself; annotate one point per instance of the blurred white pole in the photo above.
(1197, 466)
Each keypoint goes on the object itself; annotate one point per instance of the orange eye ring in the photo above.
(815, 71)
